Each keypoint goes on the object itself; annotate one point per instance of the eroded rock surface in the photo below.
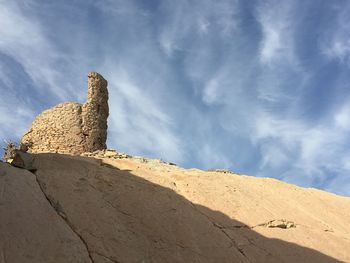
(73, 127)
(31, 231)
(126, 209)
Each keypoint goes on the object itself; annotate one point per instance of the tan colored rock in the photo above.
(130, 211)
(110, 154)
(73, 127)
(31, 231)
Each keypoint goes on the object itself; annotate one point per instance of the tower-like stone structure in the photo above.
(95, 113)
(71, 127)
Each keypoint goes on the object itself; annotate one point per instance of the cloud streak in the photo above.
(335, 45)
(260, 88)
(276, 20)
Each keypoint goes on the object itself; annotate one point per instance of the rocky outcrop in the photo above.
(72, 127)
(113, 207)
(31, 231)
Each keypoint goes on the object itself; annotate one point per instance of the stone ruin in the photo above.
(70, 127)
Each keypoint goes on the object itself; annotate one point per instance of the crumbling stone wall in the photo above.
(73, 127)
(95, 113)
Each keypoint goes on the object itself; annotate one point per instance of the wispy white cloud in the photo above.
(273, 155)
(342, 117)
(335, 42)
(339, 49)
(22, 38)
(187, 19)
(313, 149)
(13, 117)
(282, 76)
(34, 58)
(210, 92)
(276, 20)
(217, 159)
(202, 83)
(138, 123)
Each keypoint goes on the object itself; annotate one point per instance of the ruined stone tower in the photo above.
(95, 113)
(73, 127)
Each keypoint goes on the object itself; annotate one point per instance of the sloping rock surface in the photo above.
(30, 229)
(116, 208)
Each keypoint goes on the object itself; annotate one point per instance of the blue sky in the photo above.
(257, 87)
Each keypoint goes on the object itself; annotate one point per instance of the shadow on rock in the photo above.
(124, 218)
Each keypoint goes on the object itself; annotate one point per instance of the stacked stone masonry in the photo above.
(71, 127)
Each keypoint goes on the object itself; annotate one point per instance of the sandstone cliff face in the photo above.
(111, 207)
(73, 127)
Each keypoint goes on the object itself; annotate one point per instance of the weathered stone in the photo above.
(23, 160)
(110, 153)
(73, 127)
(31, 231)
(127, 211)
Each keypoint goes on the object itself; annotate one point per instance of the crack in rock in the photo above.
(189, 248)
(222, 229)
(59, 210)
(105, 257)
